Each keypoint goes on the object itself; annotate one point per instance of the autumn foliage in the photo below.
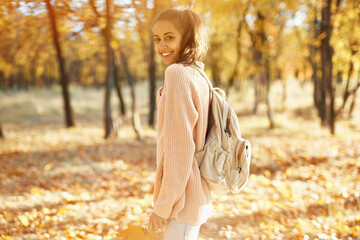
(61, 183)
(136, 233)
(291, 70)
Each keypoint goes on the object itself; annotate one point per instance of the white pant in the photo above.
(180, 231)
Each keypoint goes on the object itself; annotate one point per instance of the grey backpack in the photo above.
(225, 160)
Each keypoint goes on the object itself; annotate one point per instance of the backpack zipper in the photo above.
(227, 129)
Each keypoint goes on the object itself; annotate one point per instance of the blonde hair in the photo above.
(193, 43)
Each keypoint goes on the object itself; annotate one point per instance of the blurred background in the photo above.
(78, 84)
(109, 44)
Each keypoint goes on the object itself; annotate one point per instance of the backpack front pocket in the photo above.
(213, 163)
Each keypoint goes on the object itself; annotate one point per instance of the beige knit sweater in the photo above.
(183, 104)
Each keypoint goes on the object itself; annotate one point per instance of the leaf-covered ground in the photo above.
(58, 183)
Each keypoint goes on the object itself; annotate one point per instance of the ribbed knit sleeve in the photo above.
(180, 117)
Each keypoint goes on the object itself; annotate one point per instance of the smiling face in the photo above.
(167, 40)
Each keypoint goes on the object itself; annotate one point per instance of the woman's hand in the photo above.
(156, 222)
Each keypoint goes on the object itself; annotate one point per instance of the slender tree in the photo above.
(326, 58)
(352, 105)
(350, 28)
(112, 75)
(242, 9)
(259, 40)
(152, 71)
(309, 43)
(118, 86)
(238, 56)
(312, 58)
(327, 52)
(109, 81)
(349, 92)
(131, 80)
(1, 132)
(64, 78)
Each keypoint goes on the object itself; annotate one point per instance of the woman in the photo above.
(182, 200)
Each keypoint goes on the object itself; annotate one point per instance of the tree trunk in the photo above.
(33, 72)
(262, 82)
(354, 93)
(266, 77)
(256, 93)
(215, 73)
(347, 93)
(238, 57)
(118, 87)
(314, 65)
(109, 74)
(97, 83)
(317, 86)
(135, 115)
(148, 57)
(326, 68)
(152, 76)
(64, 79)
(13, 77)
(255, 37)
(284, 93)
(74, 72)
(352, 105)
(152, 80)
(339, 77)
(1, 132)
(152, 72)
(2, 80)
(20, 76)
(327, 53)
(324, 60)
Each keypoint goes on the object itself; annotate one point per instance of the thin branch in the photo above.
(67, 6)
(92, 5)
(352, 92)
(338, 3)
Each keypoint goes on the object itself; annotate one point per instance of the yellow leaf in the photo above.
(85, 196)
(264, 181)
(35, 191)
(114, 44)
(48, 167)
(68, 197)
(5, 237)
(137, 233)
(137, 210)
(24, 220)
(8, 214)
(220, 207)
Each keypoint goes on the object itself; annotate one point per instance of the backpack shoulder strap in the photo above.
(212, 89)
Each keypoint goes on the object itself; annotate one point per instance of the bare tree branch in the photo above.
(92, 5)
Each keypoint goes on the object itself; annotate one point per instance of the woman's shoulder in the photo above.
(178, 68)
(176, 71)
